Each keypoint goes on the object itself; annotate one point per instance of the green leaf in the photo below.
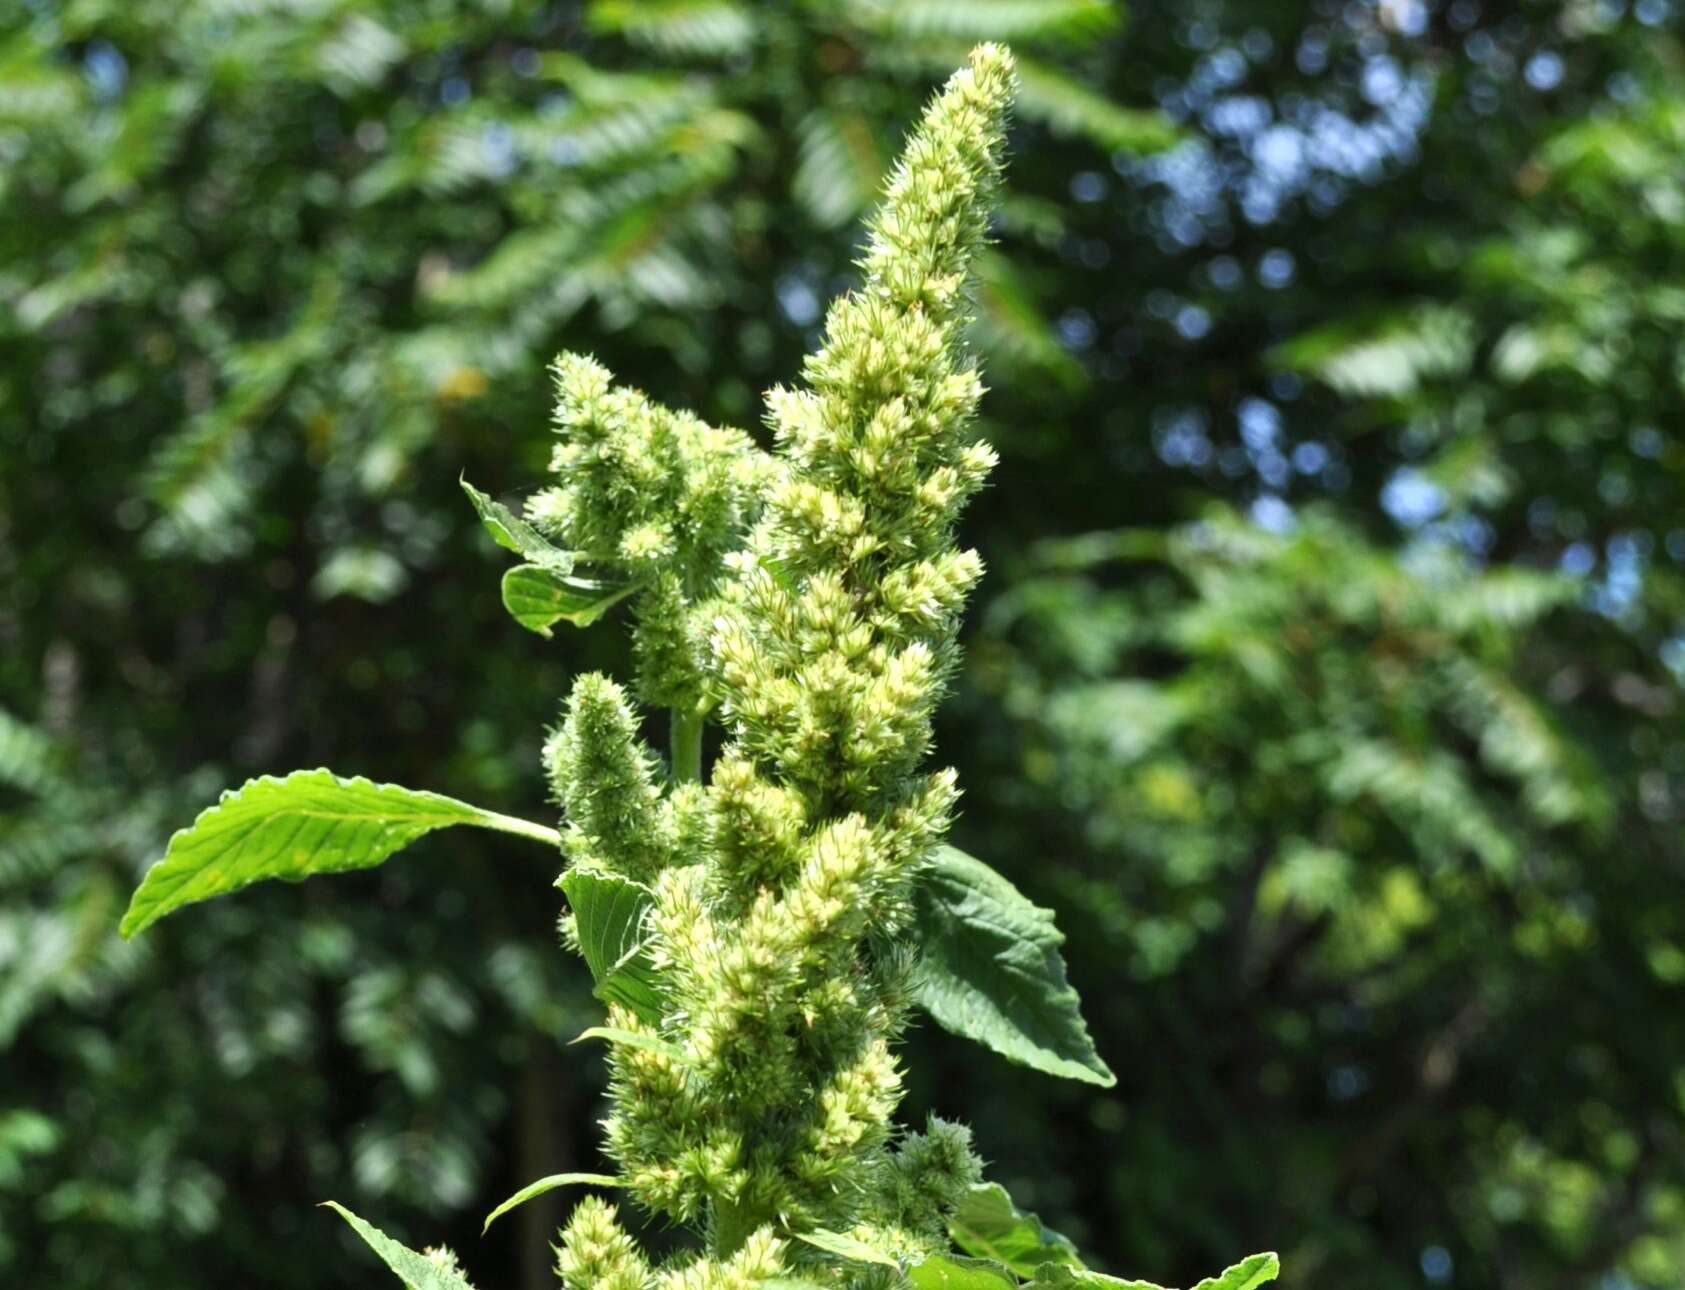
(847, 1247)
(952, 1272)
(987, 1224)
(513, 533)
(633, 1039)
(417, 1271)
(992, 971)
(310, 822)
(538, 598)
(933, 1272)
(609, 912)
(1056, 1276)
(1250, 1273)
(543, 1185)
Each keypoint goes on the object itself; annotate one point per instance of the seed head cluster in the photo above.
(807, 599)
(659, 498)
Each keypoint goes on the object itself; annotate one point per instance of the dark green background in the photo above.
(1327, 678)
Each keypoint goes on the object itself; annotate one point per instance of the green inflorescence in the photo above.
(760, 933)
(808, 600)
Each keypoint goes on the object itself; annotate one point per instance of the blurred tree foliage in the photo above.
(1330, 663)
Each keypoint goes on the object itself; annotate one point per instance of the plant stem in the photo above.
(687, 747)
(520, 828)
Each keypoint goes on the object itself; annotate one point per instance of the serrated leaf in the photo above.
(992, 971)
(933, 1272)
(1250, 1273)
(954, 1272)
(608, 911)
(417, 1271)
(987, 1224)
(847, 1247)
(543, 1185)
(1056, 1276)
(513, 533)
(633, 1039)
(310, 822)
(538, 599)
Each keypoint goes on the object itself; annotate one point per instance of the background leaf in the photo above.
(1012, 20)
(1069, 106)
(839, 167)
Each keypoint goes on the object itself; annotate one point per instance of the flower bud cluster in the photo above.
(761, 1101)
(658, 496)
